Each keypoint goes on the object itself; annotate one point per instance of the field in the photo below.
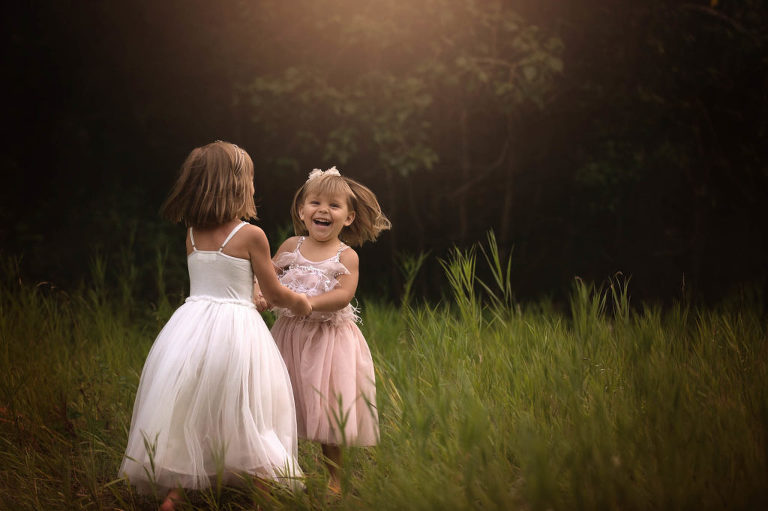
(485, 403)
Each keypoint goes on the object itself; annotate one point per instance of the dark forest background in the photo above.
(592, 136)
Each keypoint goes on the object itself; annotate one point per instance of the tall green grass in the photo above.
(484, 403)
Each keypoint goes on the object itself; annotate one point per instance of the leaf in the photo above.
(530, 73)
(556, 64)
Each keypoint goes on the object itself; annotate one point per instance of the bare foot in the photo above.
(334, 487)
(169, 504)
(262, 485)
(332, 460)
(264, 490)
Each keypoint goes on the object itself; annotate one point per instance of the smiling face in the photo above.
(325, 215)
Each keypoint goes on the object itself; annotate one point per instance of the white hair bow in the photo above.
(333, 171)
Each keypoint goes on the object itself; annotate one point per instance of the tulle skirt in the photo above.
(332, 375)
(214, 400)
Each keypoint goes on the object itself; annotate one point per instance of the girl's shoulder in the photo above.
(249, 239)
(286, 254)
(289, 245)
(348, 257)
(253, 233)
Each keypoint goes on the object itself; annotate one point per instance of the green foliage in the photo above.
(409, 266)
(606, 136)
(397, 99)
(500, 290)
(483, 402)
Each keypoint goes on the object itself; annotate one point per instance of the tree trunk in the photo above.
(508, 167)
(465, 176)
(505, 236)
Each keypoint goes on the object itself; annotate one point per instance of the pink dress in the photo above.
(328, 360)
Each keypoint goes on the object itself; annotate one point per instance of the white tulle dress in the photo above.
(214, 397)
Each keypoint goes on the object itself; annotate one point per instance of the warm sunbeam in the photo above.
(564, 306)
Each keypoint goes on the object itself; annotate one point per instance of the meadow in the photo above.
(484, 402)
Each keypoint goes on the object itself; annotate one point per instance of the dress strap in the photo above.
(232, 233)
(299, 242)
(342, 248)
(192, 239)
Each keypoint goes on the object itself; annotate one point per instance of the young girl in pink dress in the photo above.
(214, 401)
(327, 357)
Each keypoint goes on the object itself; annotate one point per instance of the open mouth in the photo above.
(324, 223)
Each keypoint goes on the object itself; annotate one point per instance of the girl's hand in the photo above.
(301, 307)
(260, 302)
(258, 299)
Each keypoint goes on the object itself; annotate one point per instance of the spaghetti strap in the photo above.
(298, 243)
(232, 233)
(192, 240)
(342, 248)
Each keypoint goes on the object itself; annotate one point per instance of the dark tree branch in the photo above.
(722, 17)
(483, 173)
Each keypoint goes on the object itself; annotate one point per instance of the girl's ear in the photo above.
(350, 218)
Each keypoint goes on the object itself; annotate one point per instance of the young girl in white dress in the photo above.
(215, 399)
(327, 357)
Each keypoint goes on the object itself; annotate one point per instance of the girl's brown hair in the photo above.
(369, 220)
(215, 185)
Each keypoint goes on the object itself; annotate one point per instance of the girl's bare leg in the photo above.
(169, 504)
(263, 488)
(332, 454)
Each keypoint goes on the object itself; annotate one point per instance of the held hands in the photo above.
(301, 307)
(260, 302)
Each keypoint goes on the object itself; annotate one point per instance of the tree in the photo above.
(399, 90)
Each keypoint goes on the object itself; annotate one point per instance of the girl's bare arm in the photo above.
(264, 272)
(341, 295)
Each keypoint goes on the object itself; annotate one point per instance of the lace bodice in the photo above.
(313, 278)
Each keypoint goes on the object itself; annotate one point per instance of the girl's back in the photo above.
(217, 274)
